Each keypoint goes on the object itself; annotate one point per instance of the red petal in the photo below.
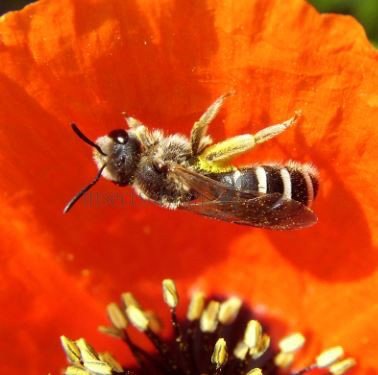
(87, 61)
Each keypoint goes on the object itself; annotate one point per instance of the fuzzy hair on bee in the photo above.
(197, 175)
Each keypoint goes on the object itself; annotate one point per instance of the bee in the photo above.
(197, 175)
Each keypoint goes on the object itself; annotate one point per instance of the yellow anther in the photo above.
(170, 293)
(220, 355)
(253, 334)
(229, 310)
(128, 299)
(86, 351)
(209, 317)
(116, 316)
(241, 350)
(341, 367)
(137, 318)
(71, 349)
(284, 360)
(196, 306)
(255, 371)
(292, 343)
(329, 356)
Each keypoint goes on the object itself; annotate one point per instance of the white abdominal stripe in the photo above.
(294, 181)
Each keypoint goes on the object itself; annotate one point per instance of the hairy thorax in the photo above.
(153, 180)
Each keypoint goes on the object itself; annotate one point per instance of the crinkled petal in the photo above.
(86, 61)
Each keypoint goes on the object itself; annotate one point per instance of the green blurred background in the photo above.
(366, 11)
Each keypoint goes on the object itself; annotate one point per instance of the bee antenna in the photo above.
(84, 138)
(83, 191)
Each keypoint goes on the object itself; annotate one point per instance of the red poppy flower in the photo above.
(164, 62)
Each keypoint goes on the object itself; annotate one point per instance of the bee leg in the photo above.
(132, 122)
(274, 130)
(223, 151)
(198, 138)
(160, 166)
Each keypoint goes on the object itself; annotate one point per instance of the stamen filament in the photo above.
(199, 346)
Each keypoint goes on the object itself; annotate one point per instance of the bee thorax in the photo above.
(153, 180)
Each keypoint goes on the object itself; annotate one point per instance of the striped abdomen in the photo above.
(294, 181)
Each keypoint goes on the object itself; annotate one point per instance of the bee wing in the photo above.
(207, 188)
(266, 211)
(222, 202)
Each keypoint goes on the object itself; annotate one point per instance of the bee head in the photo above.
(120, 151)
(116, 155)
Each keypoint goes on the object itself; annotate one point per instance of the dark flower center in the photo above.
(214, 339)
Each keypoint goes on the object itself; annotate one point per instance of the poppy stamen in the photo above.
(220, 355)
(206, 343)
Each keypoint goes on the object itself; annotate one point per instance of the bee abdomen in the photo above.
(294, 181)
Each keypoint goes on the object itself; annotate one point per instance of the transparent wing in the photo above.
(222, 202)
(266, 211)
(207, 188)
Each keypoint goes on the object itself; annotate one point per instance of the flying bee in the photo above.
(197, 175)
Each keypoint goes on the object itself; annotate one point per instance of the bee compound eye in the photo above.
(119, 136)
